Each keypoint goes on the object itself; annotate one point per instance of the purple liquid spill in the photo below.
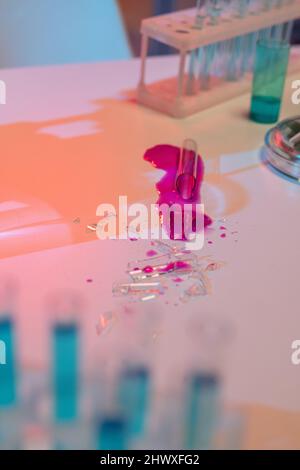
(166, 157)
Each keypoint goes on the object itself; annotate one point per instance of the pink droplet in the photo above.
(148, 270)
(223, 235)
(89, 281)
(151, 253)
(178, 280)
(182, 265)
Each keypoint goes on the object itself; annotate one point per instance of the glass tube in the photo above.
(202, 410)
(8, 371)
(111, 433)
(133, 397)
(65, 371)
(268, 82)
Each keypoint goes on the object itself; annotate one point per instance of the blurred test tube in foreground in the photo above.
(207, 338)
(133, 396)
(202, 410)
(65, 371)
(10, 413)
(111, 433)
(8, 392)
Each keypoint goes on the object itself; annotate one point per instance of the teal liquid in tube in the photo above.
(202, 411)
(134, 391)
(7, 370)
(112, 434)
(269, 78)
(65, 372)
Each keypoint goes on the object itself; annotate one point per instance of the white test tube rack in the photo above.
(178, 31)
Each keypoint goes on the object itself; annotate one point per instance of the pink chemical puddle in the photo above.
(166, 157)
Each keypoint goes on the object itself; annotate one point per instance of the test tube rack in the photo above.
(179, 30)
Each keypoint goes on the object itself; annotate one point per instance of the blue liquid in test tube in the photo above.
(202, 411)
(134, 398)
(7, 371)
(65, 372)
(112, 434)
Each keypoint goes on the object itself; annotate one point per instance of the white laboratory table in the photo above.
(73, 137)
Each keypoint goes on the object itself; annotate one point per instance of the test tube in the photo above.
(277, 31)
(202, 410)
(111, 433)
(239, 47)
(133, 397)
(65, 371)
(8, 393)
(236, 46)
(287, 32)
(206, 338)
(269, 78)
(206, 65)
(214, 11)
(10, 415)
(195, 54)
(187, 169)
(207, 54)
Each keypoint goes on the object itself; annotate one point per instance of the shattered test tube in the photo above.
(138, 291)
(165, 266)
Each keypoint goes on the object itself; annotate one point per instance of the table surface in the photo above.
(73, 137)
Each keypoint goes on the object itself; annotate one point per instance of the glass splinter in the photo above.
(136, 288)
(187, 169)
(181, 266)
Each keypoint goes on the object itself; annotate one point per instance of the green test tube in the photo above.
(270, 71)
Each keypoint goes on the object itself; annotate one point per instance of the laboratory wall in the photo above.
(42, 32)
